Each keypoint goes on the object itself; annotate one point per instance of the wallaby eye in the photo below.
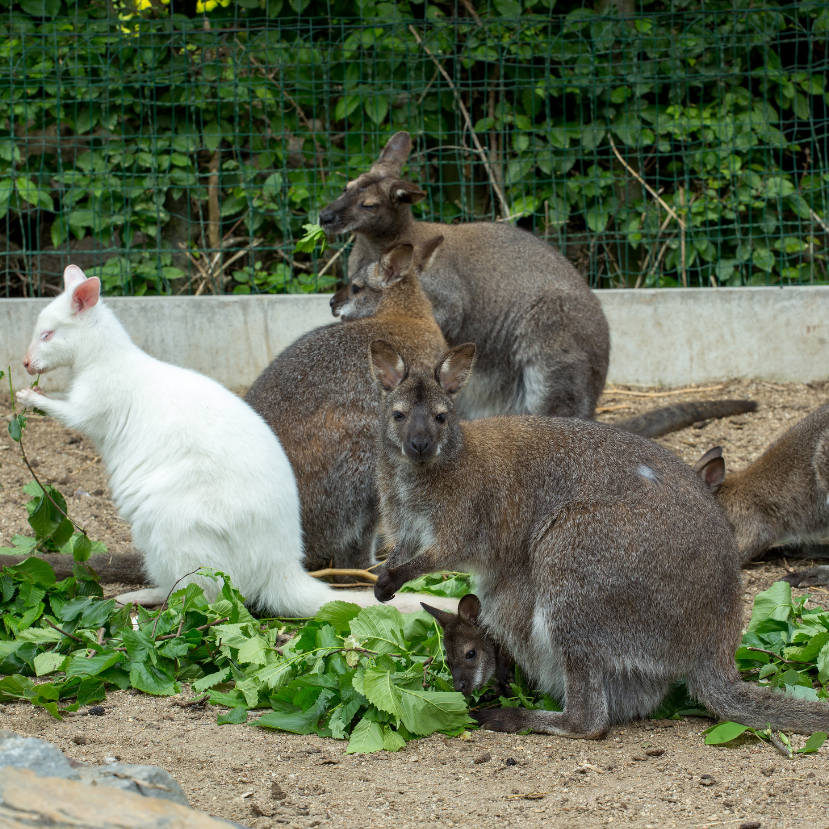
(440, 418)
(355, 289)
(399, 416)
(471, 654)
(46, 334)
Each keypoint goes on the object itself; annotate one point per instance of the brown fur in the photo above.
(319, 398)
(781, 497)
(603, 563)
(542, 338)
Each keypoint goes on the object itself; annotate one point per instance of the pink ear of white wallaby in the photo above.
(72, 276)
(86, 294)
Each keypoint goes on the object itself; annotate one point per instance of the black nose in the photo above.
(332, 301)
(420, 445)
(326, 217)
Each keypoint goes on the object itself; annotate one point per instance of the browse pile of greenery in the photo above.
(165, 131)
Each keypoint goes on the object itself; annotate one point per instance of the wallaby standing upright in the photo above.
(541, 336)
(783, 497)
(543, 342)
(603, 564)
(319, 398)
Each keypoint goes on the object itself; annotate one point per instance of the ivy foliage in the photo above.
(191, 145)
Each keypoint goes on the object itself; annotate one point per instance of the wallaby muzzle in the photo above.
(420, 441)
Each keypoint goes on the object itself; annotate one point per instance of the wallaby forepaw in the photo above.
(29, 398)
(500, 719)
(811, 577)
(385, 587)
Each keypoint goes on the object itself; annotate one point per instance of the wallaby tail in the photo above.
(673, 418)
(732, 699)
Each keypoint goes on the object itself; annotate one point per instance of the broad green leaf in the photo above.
(379, 628)
(338, 613)
(724, 733)
(233, 717)
(366, 737)
(48, 662)
(774, 603)
(201, 685)
(152, 680)
(813, 743)
(80, 665)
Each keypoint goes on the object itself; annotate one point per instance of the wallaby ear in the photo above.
(86, 294)
(405, 192)
(394, 264)
(469, 608)
(396, 150)
(711, 468)
(456, 367)
(443, 616)
(72, 276)
(387, 366)
(425, 252)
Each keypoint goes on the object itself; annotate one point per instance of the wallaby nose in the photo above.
(333, 301)
(26, 362)
(326, 217)
(420, 445)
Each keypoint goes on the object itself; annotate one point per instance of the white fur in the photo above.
(201, 478)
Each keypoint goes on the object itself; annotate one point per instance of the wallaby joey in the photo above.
(541, 336)
(782, 497)
(602, 561)
(471, 655)
(543, 341)
(319, 398)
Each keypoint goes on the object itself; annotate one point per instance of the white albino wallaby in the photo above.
(201, 478)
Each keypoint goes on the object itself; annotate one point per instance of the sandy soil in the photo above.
(646, 774)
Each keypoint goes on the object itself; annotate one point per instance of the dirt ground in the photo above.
(646, 774)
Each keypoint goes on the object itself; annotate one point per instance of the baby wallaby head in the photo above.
(61, 323)
(419, 418)
(398, 264)
(374, 202)
(471, 655)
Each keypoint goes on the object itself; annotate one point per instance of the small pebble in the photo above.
(277, 792)
(79, 740)
(706, 780)
(751, 824)
(639, 757)
(97, 492)
(768, 771)
(511, 761)
(97, 710)
(484, 758)
(655, 752)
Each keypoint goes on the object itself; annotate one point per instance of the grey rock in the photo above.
(41, 757)
(150, 781)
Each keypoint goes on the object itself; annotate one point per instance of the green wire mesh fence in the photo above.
(172, 154)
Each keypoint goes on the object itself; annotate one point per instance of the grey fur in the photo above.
(605, 584)
(543, 341)
(781, 498)
(319, 398)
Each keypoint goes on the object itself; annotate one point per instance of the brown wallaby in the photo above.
(472, 656)
(319, 398)
(542, 338)
(781, 498)
(603, 563)
(543, 341)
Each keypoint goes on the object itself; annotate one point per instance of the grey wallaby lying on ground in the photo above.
(602, 562)
(542, 338)
(319, 398)
(543, 341)
(781, 498)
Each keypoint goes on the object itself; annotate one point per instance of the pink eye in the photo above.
(45, 335)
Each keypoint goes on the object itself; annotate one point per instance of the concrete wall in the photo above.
(659, 337)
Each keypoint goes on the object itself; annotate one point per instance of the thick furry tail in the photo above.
(673, 418)
(742, 702)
